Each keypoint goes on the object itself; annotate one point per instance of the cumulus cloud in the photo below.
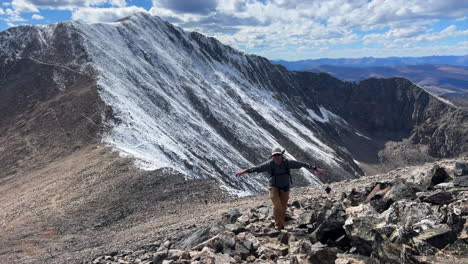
(94, 15)
(24, 6)
(192, 6)
(1, 11)
(305, 24)
(13, 16)
(413, 36)
(37, 17)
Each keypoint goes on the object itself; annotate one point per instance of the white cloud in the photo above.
(411, 36)
(13, 16)
(24, 6)
(1, 11)
(95, 15)
(37, 17)
(313, 24)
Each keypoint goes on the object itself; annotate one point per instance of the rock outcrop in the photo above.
(390, 221)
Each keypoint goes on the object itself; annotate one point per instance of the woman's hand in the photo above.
(319, 171)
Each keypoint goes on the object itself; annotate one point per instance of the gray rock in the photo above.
(439, 198)
(242, 251)
(401, 190)
(236, 228)
(438, 237)
(359, 227)
(427, 180)
(444, 186)
(283, 237)
(159, 257)
(232, 216)
(461, 181)
(461, 168)
(224, 243)
(305, 219)
(320, 254)
(194, 238)
(355, 259)
(296, 204)
(249, 245)
(263, 210)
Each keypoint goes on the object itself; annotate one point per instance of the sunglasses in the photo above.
(276, 155)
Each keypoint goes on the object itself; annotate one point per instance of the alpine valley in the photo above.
(114, 134)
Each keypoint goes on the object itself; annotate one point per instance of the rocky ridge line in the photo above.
(415, 215)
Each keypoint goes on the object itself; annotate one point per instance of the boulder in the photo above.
(242, 251)
(236, 228)
(232, 216)
(439, 176)
(296, 204)
(444, 186)
(355, 198)
(283, 237)
(193, 238)
(355, 259)
(461, 168)
(400, 191)
(426, 180)
(321, 254)
(305, 219)
(408, 213)
(393, 253)
(461, 181)
(439, 198)
(441, 259)
(159, 257)
(224, 242)
(438, 237)
(359, 227)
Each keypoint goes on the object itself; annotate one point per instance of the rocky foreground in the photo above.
(410, 215)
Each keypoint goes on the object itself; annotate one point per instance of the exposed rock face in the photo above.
(329, 230)
(397, 110)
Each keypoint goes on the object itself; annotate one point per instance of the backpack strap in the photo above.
(286, 163)
(271, 172)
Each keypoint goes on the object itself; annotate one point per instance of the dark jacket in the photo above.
(279, 175)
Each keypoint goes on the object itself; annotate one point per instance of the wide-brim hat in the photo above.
(276, 151)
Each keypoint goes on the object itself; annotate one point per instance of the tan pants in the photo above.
(280, 204)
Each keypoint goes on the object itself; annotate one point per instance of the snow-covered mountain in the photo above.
(183, 102)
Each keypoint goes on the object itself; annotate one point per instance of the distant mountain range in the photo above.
(444, 80)
(374, 62)
(441, 75)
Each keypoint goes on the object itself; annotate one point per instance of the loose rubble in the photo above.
(414, 218)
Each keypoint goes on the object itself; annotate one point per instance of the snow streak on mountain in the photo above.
(186, 102)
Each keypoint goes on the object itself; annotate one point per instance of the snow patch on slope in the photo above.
(171, 101)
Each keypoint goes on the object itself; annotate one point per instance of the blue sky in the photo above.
(282, 29)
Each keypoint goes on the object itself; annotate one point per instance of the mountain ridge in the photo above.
(195, 84)
(374, 62)
(88, 113)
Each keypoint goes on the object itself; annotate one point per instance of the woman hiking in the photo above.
(280, 181)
